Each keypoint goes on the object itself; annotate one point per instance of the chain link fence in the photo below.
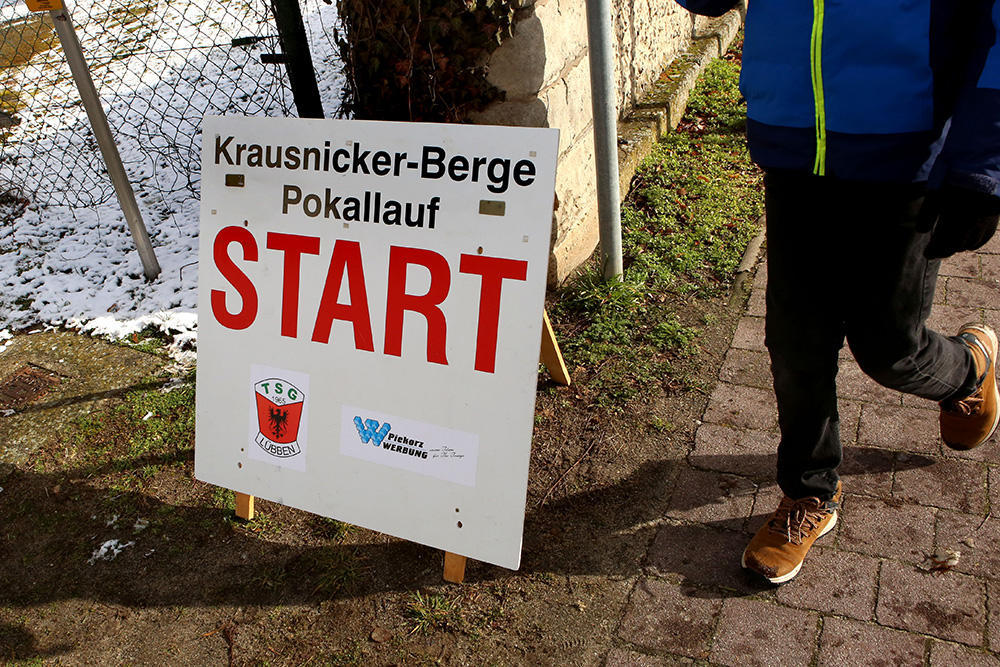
(158, 66)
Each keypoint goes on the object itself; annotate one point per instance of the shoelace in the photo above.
(795, 519)
(966, 406)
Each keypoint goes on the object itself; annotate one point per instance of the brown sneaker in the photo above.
(777, 550)
(970, 422)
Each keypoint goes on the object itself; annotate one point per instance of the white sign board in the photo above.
(371, 299)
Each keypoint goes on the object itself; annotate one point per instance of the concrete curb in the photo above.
(750, 258)
(661, 109)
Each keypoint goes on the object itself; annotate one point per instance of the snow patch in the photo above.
(109, 550)
(78, 267)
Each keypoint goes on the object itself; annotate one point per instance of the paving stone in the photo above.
(622, 658)
(977, 539)
(941, 292)
(749, 334)
(762, 634)
(760, 276)
(853, 383)
(747, 452)
(724, 500)
(988, 452)
(958, 485)
(735, 405)
(948, 606)
(833, 581)
(899, 428)
(964, 265)
(909, 461)
(911, 401)
(945, 654)
(747, 367)
(702, 556)
(886, 528)
(993, 475)
(757, 303)
(867, 471)
(949, 319)
(678, 619)
(767, 500)
(845, 642)
(850, 418)
(992, 246)
(971, 293)
(990, 265)
(993, 607)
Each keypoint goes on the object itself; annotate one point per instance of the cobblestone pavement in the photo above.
(865, 595)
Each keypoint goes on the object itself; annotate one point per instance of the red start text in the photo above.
(345, 265)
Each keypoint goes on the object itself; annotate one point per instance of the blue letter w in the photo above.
(369, 430)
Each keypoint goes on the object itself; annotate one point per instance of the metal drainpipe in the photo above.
(603, 96)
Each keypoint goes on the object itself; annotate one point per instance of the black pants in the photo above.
(844, 261)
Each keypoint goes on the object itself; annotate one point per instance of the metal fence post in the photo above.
(298, 61)
(109, 150)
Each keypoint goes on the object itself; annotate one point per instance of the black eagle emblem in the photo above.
(278, 419)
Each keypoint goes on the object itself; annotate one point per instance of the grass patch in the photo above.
(329, 529)
(691, 211)
(353, 656)
(340, 570)
(151, 340)
(146, 431)
(223, 499)
(433, 612)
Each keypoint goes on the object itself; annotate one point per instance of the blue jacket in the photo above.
(874, 90)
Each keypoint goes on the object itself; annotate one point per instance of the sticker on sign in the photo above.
(279, 418)
(44, 5)
(425, 449)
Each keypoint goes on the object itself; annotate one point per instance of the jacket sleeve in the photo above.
(970, 156)
(708, 7)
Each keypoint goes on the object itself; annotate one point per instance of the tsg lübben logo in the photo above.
(279, 414)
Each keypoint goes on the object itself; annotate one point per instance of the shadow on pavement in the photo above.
(193, 555)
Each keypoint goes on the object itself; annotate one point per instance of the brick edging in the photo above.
(661, 109)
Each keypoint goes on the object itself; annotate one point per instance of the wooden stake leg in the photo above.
(244, 506)
(551, 354)
(454, 568)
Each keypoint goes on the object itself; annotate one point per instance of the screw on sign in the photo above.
(279, 413)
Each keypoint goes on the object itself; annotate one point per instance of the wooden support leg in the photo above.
(551, 355)
(454, 568)
(244, 506)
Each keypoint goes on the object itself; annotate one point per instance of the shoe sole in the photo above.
(995, 348)
(791, 575)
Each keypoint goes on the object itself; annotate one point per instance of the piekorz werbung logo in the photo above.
(381, 435)
(279, 415)
(408, 444)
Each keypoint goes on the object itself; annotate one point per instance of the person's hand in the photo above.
(961, 219)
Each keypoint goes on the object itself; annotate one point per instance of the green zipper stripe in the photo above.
(816, 60)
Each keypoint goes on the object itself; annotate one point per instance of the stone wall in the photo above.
(545, 72)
